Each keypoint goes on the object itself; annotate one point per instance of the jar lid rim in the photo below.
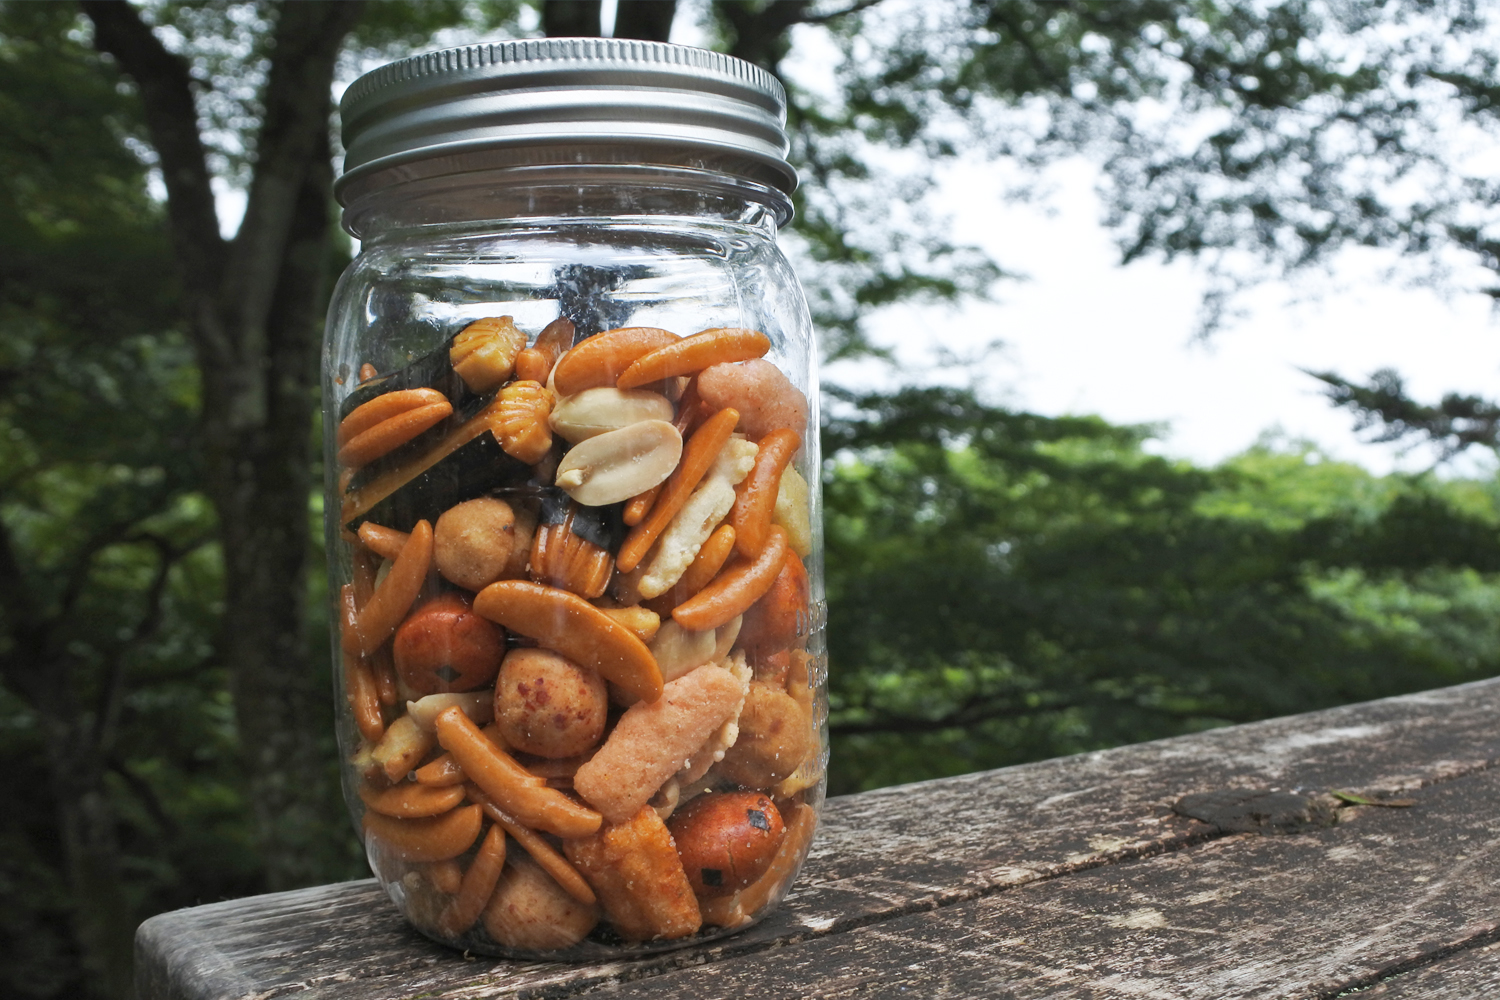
(534, 92)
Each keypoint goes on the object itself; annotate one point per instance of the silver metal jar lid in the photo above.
(562, 100)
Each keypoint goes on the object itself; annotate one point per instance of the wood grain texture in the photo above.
(982, 882)
(1466, 975)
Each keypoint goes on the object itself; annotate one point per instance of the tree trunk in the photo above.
(647, 19)
(253, 311)
(570, 18)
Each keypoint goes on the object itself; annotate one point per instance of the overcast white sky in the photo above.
(1083, 335)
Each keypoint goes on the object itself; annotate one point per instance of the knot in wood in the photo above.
(1251, 810)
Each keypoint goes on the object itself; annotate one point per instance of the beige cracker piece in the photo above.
(699, 517)
(652, 741)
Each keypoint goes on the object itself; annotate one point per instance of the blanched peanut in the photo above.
(765, 398)
(477, 705)
(791, 512)
(403, 745)
(678, 651)
(472, 541)
(594, 411)
(616, 465)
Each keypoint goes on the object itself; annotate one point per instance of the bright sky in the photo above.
(1083, 335)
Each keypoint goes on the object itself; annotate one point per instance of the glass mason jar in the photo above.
(572, 507)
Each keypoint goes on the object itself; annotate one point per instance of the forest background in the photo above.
(1003, 586)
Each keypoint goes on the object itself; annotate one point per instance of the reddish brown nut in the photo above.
(548, 705)
(472, 542)
(779, 619)
(726, 841)
(445, 646)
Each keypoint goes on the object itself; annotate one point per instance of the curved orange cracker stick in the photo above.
(600, 359)
(391, 433)
(698, 456)
(567, 624)
(384, 542)
(359, 682)
(543, 853)
(477, 885)
(436, 838)
(391, 601)
(510, 785)
(382, 408)
(410, 801)
(743, 583)
(720, 345)
(755, 497)
(640, 505)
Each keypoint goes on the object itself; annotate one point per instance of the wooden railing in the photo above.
(1084, 876)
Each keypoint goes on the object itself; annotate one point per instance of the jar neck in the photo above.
(566, 191)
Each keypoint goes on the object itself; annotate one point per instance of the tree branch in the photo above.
(298, 103)
(165, 85)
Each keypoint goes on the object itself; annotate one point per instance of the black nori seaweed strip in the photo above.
(601, 526)
(475, 469)
(432, 370)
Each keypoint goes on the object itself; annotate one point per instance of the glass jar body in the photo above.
(580, 664)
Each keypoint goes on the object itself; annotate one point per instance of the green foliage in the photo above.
(1006, 586)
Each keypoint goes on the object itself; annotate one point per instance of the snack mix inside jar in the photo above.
(572, 507)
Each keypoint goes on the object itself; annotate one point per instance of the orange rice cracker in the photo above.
(636, 872)
(653, 740)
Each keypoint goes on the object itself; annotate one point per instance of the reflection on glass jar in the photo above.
(573, 524)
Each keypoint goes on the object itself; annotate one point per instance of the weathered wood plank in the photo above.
(881, 856)
(1302, 916)
(1465, 975)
